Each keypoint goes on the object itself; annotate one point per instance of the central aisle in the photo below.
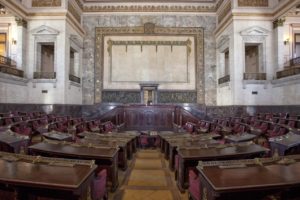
(149, 178)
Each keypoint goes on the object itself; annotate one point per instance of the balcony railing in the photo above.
(44, 75)
(5, 61)
(7, 67)
(288, 72)
(255, 76)
(11, 70)
(224, 79)
(74, 78)
(295, 61)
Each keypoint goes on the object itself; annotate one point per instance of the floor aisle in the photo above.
(148, 178)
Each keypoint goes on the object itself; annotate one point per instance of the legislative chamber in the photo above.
(149, 100)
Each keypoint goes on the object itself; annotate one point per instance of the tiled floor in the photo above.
(148, 178)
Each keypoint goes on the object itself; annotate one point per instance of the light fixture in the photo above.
(286, 41)
(13, 41)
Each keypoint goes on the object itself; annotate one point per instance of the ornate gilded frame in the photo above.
(149, 29)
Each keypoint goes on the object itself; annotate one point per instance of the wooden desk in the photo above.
(54, 135)
(250, 179)
(189, 157)
(244, 137)
(284, 143)
(121, 144)
(129, 139)
(182, 143)
(26, 177)
(13, 140)
(104, 157)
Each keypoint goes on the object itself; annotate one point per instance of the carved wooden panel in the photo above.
(149, 117)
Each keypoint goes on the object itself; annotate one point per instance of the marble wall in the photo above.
(90, 22)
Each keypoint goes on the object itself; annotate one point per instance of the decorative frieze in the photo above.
(121, 96)
(150, 8)
(177, 97)
(46, 3)
(253, 3)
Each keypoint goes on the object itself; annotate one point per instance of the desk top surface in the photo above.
(74, 150)
(10, 138)
(44, 174)
(288, 140)
(57, 135)
(252, 176)
(221, 151)
(240, 137)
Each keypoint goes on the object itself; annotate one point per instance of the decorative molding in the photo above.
(253, 3)
(46, 3)
(197, 33)
(255, 82)
(254, 33)
(44, 30)
(76, 40)
(21, 22)
(79, 3)
(177, 96)
(290, 80)
(35, 81)
(74, 12)
(121, 96)
(6, 78)
(149, 8)
(223, 42)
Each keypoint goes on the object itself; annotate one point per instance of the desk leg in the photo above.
(114, 174)
(181, 175)
(171, 158)
(129, 147)
(162, 145)
(166, 150)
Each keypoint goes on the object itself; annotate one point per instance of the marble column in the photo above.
(21, 44)
(278, 44)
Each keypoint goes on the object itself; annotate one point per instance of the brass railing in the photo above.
(74, 78)
(255, 76)
(44, 75)
(288, 72)
(224, 79)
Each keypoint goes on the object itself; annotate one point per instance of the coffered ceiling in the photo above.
(150, 1)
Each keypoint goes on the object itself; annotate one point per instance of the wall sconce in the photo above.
(13, 41)
(286, 41)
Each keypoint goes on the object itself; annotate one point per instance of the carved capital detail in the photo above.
(21, 22)
(278, 22)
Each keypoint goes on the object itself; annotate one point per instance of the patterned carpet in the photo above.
(148, 178)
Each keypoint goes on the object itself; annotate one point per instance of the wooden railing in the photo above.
(288, 72)
(255, 76)
(224, 79)
(74, 78)
(44, 75)
(7, 67)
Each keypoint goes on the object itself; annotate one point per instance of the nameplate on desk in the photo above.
(232, 166)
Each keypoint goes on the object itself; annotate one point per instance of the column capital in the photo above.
(278, 22)
(21, 22)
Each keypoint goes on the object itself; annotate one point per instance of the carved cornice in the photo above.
(253, 3)
(46, 3)
(224, 12)
(150, 8)
(74, 12)
(197, 33)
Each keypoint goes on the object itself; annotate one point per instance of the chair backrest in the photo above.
(5, 147)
